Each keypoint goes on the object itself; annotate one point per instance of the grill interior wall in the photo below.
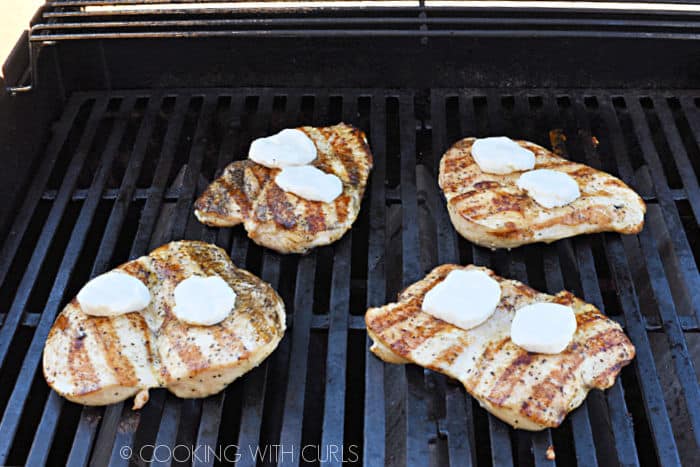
(122, 169)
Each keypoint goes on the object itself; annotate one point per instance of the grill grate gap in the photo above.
(315, 386)
(70, 144)
(20, 345)
(50, 268)
(30, 420)
(642, 434)
(688, 137)
(354, 398)
(360, 239)
(185, 139)
(481, 434)
(108, 122)
(155, 143)
(24, 253)
(634, 150)
(134, 119)
(221, 125)
(670, 169)
(691, 227)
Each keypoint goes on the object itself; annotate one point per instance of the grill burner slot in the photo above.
(120, 174)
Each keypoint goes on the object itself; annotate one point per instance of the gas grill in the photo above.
(117, 115)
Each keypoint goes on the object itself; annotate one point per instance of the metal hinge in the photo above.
(30, 76)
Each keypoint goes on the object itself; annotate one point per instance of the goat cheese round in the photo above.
(289, 147)
(309, 183)
(464, 298)
(501, 155)
(543, 327)
(113, 293)
(549, 188)
(203, 300)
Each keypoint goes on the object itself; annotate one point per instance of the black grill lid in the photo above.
(103, 21)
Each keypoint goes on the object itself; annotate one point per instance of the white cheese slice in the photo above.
(549, 188)
(464, 298)
(113, 293)
(287, 148)
(309, 183)
(203, 300)
(501, 155)
(543, 327)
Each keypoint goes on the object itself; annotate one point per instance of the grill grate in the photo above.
(119, 176)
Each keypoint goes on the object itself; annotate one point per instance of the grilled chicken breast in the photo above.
(102, 360)
(527, 390)
(246, 193)
(490, 210)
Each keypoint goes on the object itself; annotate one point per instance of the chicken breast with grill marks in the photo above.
(492, 211)
(527, 390)
(246, 193)
(102, 360)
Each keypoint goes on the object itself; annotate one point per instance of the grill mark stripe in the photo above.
(482, 367)
(463, 196)
(280, 207)
(341, 148)
(262, 328)
(503, 386)
(412, 336)
(142, 327)
(227, 338)
(341, 208)
(233, 185)
(445, 358)
(346, 155)
(188, 353)
(315, 219)
(121, 366)
(84, 377)
(605, 340)
(384, 321)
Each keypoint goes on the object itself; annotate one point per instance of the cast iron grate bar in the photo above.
(647, 282)
(374, 409)
(339, 310)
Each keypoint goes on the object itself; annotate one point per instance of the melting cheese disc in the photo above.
(549, 188)
(289, 147)
(310, 183)
(113, 293)
(501, 155)
(465, 298)
(203, 300)
(543, 327)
